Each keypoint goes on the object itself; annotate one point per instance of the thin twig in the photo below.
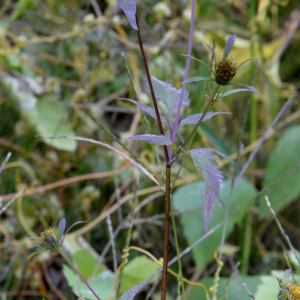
(286, 237)
(250, 295)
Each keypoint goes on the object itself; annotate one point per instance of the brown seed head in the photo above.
(225, 71)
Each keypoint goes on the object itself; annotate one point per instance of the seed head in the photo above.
(225, 71)
(51, 238)
(294, 291)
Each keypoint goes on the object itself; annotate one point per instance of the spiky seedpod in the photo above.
(225, 71)
(294, 291)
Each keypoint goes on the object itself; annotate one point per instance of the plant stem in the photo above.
(177, 251)
(197, 125)
(151, 86)
(168, 171)
(185, 74)
(73, 267)
(166, 234)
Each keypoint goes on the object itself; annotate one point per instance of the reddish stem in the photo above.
(161, 130)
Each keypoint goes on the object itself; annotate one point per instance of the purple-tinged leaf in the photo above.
(130, 294)
(212, 50)
(235, 91)
(194, 119)
(152, 139)
(147, 109)
(61, 228)
(129, 8)
(204, 160)
(169, 96)
(251, 88)
(228, 46)
(196, 78)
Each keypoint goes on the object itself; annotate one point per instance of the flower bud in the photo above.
(225, 71)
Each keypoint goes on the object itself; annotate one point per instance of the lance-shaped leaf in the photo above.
(197, 78)
(194, 119)
(61, 228)
(130, 294)
(251, 88)
(204, 161)
(228, 46)
(147, 109)
(152, 139)
(212, 51)
(169, 96)
(129, 8)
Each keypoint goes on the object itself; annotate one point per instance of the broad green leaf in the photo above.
(152, 139)
(129, 8)
(284, 158)
(50, 119)
(235, 291)
(21, 8)
(191, 197)
(137, 271)
(86, 263)
(269, 287)
(101, 284)
(216, 140)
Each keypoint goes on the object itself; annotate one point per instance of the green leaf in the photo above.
(86, 263)
(137, 271)
(50, 119)
(269, 287)
(101, 284)
(191, 197)
(130, 294)
(216, 139)
(284, 158)
(236, 290)
(34, 253)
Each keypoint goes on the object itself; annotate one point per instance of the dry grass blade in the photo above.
(287, 103)
(78, 138)
(5, 161)
(4, 208)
